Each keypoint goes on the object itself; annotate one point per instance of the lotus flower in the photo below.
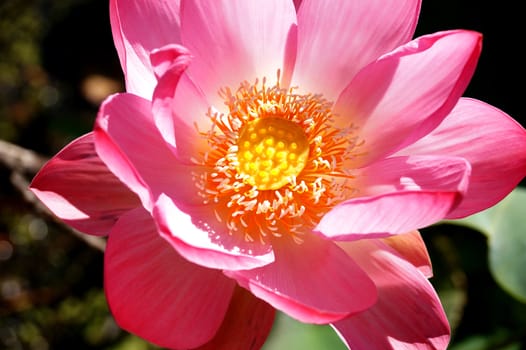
(267, 156)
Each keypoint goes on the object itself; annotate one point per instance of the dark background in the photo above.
(57, 63)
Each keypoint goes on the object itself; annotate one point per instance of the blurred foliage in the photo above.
(504, 226)
(57, 63)
(479, 310)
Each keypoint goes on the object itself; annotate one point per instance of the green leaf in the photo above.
(505, 226)
(293, 335)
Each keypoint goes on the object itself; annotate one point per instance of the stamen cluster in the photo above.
(283, 206)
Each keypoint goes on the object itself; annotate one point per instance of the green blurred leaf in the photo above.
(293, 335)
(500, 339)
(505, 226)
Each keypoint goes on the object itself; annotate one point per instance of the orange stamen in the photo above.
(276, 162)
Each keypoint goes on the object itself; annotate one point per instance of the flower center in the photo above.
(271, 152)
(275, 162)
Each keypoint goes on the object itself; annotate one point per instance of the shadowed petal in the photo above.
(408, 314)
(492, 142)
(412, 248)
(155, 293)
(78, 188)
(314, 282)
(246, 326)
(297, 4)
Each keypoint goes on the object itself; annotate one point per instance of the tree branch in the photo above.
(20, 159)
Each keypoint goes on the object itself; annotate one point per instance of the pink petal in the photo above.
(77, 187)
(138, 27)
(200, 238)
(409, 173)
(400, 194)
(408, 314)
(492, 142)
(384, 215)
(172, 59)
(413, 249)
(179, 109)
(313, 281)
(246, 326)
(129, 143)
(155, 293)
(338, 38)
(236, 41)
(297, 4)
(408, 92)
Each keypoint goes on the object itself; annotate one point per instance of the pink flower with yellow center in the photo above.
(267, 156)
